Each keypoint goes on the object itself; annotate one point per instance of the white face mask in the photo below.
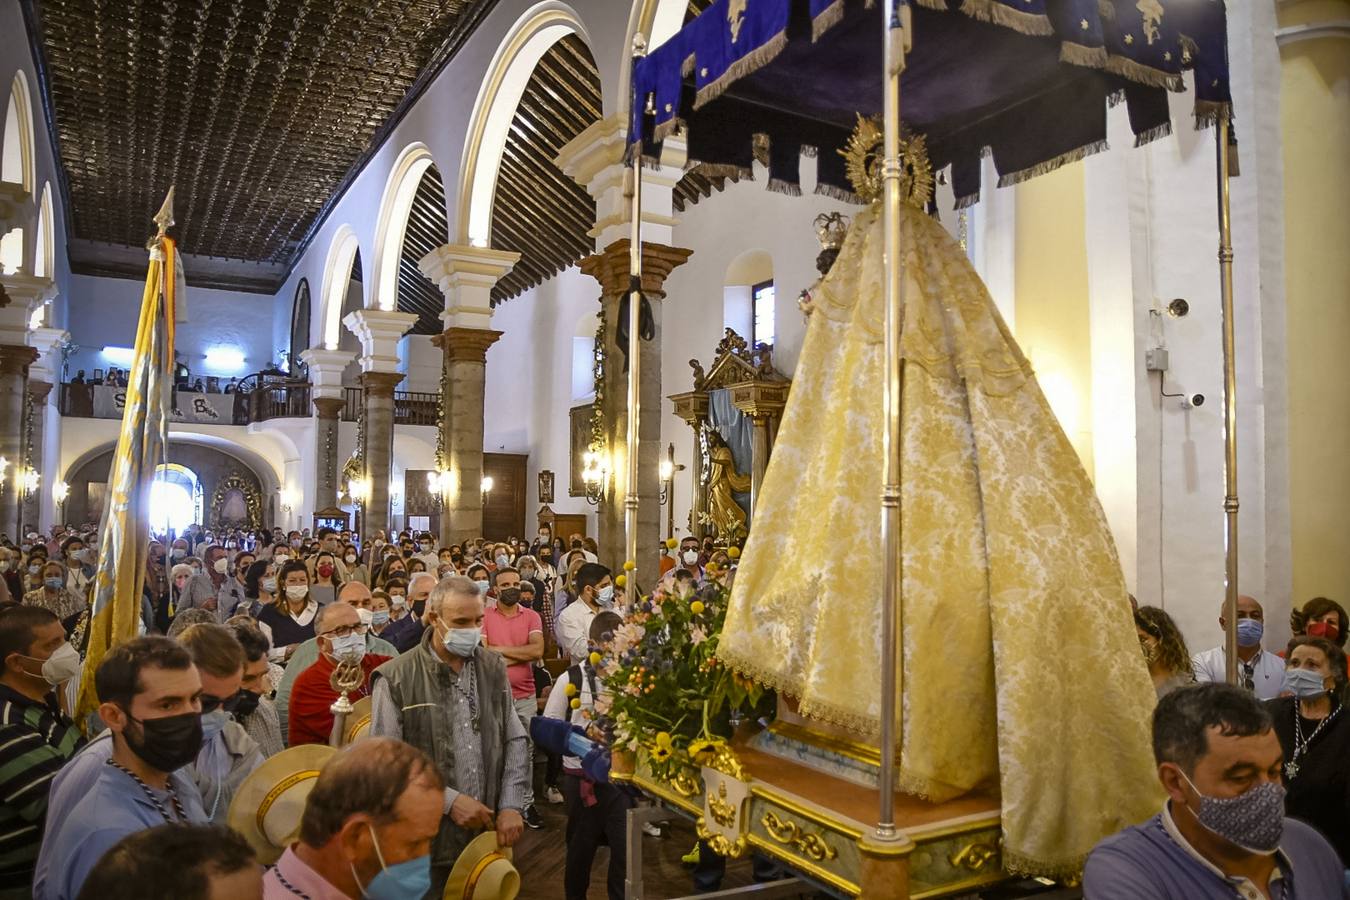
(365, 616)
(297, 591)
(397, 602)
(269, 585)
(61, 666)
(221, 565)
(690, 557)
(353, 646)
(350, 558)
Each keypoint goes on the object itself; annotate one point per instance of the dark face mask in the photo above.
(166, 744)
(246, 703)
(508, 596)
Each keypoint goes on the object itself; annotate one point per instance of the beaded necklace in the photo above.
(150, 794)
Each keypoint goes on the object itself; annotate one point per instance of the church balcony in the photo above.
(410, 407)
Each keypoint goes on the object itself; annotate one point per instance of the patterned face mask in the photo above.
(1253, 821)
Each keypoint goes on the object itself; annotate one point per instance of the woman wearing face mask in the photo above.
(33, 570)
(480, 575)
(260, 588)
(393, 567)
(1169, 662)
(11, 568)
(1314, 732)
(415, 565)
(55, 596)
(1321, 617)
(292, 617)
(356, 569)
(326, 582)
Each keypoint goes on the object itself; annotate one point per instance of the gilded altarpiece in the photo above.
(757, 391)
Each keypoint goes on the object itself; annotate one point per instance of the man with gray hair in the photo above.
(449, 696)
(405, 613)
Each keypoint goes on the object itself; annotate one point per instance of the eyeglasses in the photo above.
(210, 704)
(343, 631)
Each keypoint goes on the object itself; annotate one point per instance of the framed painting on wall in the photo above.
(579, 441)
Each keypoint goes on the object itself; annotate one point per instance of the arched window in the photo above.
(175, 499)
(299, 323)
(748, 297)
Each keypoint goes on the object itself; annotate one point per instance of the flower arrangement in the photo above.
(669, 692)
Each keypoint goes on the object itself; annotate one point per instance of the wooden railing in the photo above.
(410, 407)
(289, 400)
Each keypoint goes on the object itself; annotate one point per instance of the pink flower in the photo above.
(697, 635)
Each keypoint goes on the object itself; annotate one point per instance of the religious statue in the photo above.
(725, 514)
(1003, 544)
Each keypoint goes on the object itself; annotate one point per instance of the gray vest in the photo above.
(419, 679)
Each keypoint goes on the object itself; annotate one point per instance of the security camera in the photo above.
(1195, 400)
(1177, 309)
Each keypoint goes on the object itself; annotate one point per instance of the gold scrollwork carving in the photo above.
(723, 812)
(252, 501)
(720, 843)
(974, 856)
(785, 831)
(685, 784)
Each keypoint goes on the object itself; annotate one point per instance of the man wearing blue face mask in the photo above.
(449, 696)
(595, 589)
(228, 754)
(367, 828)
(1259, 672)
(1222, 833)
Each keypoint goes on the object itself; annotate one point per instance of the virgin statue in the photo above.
(725, 514)
(1020, 669)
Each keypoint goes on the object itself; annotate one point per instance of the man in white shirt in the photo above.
(1258, 671)
(595, 591)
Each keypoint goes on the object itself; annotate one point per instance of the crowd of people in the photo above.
(242, 636)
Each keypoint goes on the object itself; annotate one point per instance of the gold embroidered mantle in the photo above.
(1020, 662)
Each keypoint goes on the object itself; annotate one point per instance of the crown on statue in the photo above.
(831, 228)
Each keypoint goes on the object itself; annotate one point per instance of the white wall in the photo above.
(105, 312)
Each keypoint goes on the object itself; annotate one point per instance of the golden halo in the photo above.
(862, 158)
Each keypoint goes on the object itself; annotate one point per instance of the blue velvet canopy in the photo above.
(1026, 81)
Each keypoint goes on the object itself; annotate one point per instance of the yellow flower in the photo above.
(701, 751)
(734, 552)
(663, 748)
(595, 659)
(576, 703)
(620, 580)
(672, 543)
(571, 689)
(629, 565)
(696, 607)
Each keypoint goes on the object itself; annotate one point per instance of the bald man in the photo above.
(1258, 671)
(354, 594)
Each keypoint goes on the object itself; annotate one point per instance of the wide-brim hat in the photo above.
(270, 802)
(358, 721)
(483, 872)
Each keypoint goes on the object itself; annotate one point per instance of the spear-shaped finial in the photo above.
(164, 218)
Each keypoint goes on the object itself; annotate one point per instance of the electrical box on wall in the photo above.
(1155, 360)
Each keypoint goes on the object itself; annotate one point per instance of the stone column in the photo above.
(610, 269)
(379, 331)
(763, 402)
(466, 276)
(14, 362)
(325, 378)
(465, 354)
(36, 414)
(692, 406)
(377, 449)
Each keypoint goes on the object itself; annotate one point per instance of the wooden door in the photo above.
(504, 512)
(567, 524)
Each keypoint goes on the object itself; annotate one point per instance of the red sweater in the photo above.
(311, 719)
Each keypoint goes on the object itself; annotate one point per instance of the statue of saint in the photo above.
(727, 517)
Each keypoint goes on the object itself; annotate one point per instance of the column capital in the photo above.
(16, 358)
(329, 407)
(24, 294)
(466, 344)
(381, 383)
(610, 267)
(466, 276)
(45, 341)
(39, 390)
(594, 159)
(379, 331)
(325, 370)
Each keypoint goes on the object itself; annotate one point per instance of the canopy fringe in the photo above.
(1051, 165)
(667, 128)
(687, 67)
(1142, 74)
(1152, 134)
(1081, 55)
(967, 201)
(1211, 112)
(939, 5)
(783, 186)
(829, 17)
(996, 13)
(725, 170)
(838, 193)
(751, 62)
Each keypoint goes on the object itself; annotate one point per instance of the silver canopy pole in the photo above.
(630, 502)
(1230, 477)
(891, 442)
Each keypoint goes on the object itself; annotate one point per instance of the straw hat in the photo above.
(483, 872)
(358, 721)
(268, 806)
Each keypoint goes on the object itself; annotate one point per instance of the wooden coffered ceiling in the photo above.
(259, 111)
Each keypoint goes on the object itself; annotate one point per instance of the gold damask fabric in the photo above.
(1021, 668)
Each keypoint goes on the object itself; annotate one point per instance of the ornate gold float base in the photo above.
(822, 826)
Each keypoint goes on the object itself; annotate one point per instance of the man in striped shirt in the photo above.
(36, 738)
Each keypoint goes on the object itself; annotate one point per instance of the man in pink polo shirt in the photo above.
(517, 634)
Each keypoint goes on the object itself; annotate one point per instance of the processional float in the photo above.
(1027, 82)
